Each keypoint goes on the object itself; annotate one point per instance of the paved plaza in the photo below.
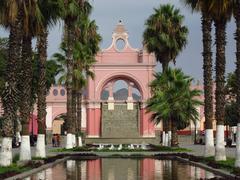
(185, 142)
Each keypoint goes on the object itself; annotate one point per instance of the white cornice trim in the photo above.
(93, 136)
(124, 65)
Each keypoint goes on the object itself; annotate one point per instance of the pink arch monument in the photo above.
(132, 65)
(110, 119)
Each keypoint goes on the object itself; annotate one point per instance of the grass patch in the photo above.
(75, 149)
(38, 158)
(13, 168)
(170, 149)
(228, 165)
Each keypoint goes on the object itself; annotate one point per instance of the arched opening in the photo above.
(136, 94)
(121, 89)
(58, 124)
(120, 44)
(105, 94)
(120, 109)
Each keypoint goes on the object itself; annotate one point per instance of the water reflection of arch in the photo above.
(120, 76)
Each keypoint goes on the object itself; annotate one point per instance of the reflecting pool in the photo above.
(122, 169)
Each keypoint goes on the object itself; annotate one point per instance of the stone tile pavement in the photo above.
(184, 141)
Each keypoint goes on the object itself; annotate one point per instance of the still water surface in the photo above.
(122, 169)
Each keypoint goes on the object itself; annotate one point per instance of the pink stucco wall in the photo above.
(147, 128)
(94, 122)
(33, 124)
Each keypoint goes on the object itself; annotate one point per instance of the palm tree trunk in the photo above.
(26, 77)
(42, 93)
(166, 129)
(79, 117)
(237, 37)
(164, 66)
(220, 26)
(174, 139)
(74, 114)
(208, 84)
(9, 96)
(69, 122)
(25, 88)
(170, 131)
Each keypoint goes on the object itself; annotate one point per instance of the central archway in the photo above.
(128, 77)
(121, 115)
(120, 108)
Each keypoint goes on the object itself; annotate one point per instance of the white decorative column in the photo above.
(110, 98)
(130, 98)
(49, 117)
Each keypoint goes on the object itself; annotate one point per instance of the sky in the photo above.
(133, 14)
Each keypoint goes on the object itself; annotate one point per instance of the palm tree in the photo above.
(221, 12)
(73, 10)
(78, 75)
(51, 12)
(173, 99)
(3, 61)
(9, 17)
(81, 73)
(61, 59)
(203, 7)
(165, 36)
(70, 16)
(85, 49)
(41, 93)
(32, 23)
(237, 37)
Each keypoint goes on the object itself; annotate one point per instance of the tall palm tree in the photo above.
(62, 59)
(165, 36)
(73, 9)
(221, 12)
(32, 22)
(41, 93)
(173, 98)
(84, 11)
(203, 7)
(10, 17)
(81, 73)
(86, 48)
(84, 51)
(237, 37)
(51, 12)
(70, 16)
